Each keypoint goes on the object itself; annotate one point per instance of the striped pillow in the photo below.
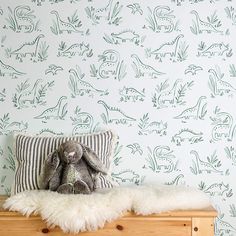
(31, 152)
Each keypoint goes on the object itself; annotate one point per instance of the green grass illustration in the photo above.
(150, 20)
(232, 70)
(93, 71)
(43, 51)
(232, 210)
(194, 28)
(114, 14)
(117, 159)
(231, 14)
(121, 72)
(11, 160)
(182, 53)
(54, 27)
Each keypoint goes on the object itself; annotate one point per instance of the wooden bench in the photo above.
(174, 223)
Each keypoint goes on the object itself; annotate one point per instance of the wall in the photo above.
(161, 74)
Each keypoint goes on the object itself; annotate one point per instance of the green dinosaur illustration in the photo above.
(110, 12)
(110, 64)
(53, 69)
(148, 127)
(168, 97)
(135, 147)
(82, 87)
(205, 26)
(144, 70)
(22, 19)
(56, 112)
(114, 114)
(161, 159)
(194, 112)
(82, 122)
(7, 126)
(29, 48)
(131, 94)
(215, 49)
(6, 70)
(208, 166)
(169, 48)
(39, 2)
(187, 134)
(223, 126)
(126, 175)
(135, 7)
(124, 36)
(176, 181)
(216, 189)
(27, 96)
(48, 131)
(223, 228)
(63, 26)
(79, 49)
(217, 85)
(161, 20)
(192, 69)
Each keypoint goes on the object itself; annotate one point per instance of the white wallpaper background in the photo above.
(160, 73)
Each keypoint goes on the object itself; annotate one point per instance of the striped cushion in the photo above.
(31, 151)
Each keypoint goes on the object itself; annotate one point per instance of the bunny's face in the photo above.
(71, 152)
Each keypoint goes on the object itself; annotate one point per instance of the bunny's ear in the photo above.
(92, 159)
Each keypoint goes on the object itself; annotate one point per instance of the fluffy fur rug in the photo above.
(75, 213)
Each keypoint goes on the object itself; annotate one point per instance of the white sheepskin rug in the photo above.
(76, 213)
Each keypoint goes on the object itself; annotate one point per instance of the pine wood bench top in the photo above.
(207, 212)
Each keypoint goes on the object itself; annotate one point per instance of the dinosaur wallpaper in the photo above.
(162, 74)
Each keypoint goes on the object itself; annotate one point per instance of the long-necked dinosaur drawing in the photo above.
(221, 86)
(203, 165)
(168, 48)
(224, 127)
(23, 19)
(64, 26)
(84, 86)
(192, 112)
(9, 70)
(168, 96)
(203, 25)
(163, 20)
(30, 48)
(114, 114)
(163, 159)
(29, 95)
(56, 112)
(143, 70)
(83, 121)
(110, 64)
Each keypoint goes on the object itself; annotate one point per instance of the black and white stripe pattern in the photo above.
(31, 152)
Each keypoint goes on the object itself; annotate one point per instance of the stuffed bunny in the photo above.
(71, 169)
